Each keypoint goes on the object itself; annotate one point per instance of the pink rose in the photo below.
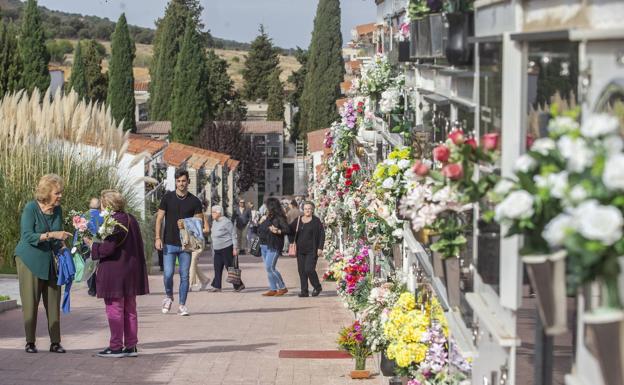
(453, 171)
(457, 137)
(472, 143)
(490, 141)
(441, 153)
(420, 169)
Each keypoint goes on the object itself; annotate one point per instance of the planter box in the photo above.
(437, 35)
(460, 28)
(8, 305)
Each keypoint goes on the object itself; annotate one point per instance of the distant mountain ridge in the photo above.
(65, 25)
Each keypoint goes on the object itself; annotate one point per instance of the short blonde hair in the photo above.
(113, 199)
(45, 187)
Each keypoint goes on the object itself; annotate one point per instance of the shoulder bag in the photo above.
(292, 248)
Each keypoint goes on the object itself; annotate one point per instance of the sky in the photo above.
(288, 22)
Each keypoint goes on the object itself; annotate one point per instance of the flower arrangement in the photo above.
(108, 225)
(349, 174)
(403, 33)
(389, 175)
(390, 100)
(352, 340)
(354, 284)
(349, 114)
(376, 77)
(381, 299)
(570, 188)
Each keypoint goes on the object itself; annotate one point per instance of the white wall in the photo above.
(132, 175)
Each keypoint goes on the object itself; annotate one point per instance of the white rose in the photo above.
(613, 144)
(398, 233)
(597, 222)
(599, 125)
(558, 183)
(543, 146)
(503, 187)
(576, 152)
(404, 163)
(390, 162)
(562, 125)
(517, 205)
(578, 194)
(613, 174)
(555, 231)
(525, 163)
(388, 183)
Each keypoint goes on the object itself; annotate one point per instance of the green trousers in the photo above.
(32, 289)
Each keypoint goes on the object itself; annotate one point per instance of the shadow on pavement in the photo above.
(259, 310)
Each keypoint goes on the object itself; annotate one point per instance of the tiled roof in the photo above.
(137, 144)
(340, 102)
(262, 127)
(177, 153)
(316, 139)
(141, 86)
(345, 86)
(365, 29)
(154, 127)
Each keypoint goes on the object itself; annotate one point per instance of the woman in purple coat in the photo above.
(121, 276)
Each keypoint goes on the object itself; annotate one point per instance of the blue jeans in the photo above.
(270, 256)
(170, 253)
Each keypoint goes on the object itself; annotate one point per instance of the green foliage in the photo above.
(58, 49)
(10, 60)
(236, 59)
(78, 78)
(451, 231)
(190, 105)
(4, 298)
(35, 56)
(276, 108)
(325, 69)
(97, 82)
(226, 103)
(261, 61)
(120, 97)
(167, 45)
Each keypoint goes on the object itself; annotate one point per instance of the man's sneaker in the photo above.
(166, 305)
(108, 352)
(183, 310)
(131, 352)
(214, 290)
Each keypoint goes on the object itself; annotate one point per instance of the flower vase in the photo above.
(360, 371)
(386, 365)
(452, 280)
(547, 275)
(368, 135)
(604, 338)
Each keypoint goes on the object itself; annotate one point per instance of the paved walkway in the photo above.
(230, 338)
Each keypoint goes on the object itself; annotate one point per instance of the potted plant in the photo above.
(351, 339)
(460, 18)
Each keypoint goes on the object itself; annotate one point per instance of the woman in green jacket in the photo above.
(42, 236)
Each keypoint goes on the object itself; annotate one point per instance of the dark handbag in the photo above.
(254, 248)
(234, 273)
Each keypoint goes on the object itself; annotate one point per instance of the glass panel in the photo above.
(274, 152)
(274, 139)
(273, 164)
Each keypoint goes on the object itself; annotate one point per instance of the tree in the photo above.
(325, 69)
(78, 78)
(10, 61)
(276, 109)
(298, 79)
(97, 82)
(190, 105)
(167, 44)
(261, 60)
(226, 103)
(35, 56)
(227, 137)
(120, 96)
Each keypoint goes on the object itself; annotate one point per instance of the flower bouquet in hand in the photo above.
(108, 225)
(352, 340)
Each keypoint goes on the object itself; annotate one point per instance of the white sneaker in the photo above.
(183, 310)
(166, 305)
(203, 286)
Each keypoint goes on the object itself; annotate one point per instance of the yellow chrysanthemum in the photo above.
(406, 301)
(404, 153)
(393, 170)
(379, 172)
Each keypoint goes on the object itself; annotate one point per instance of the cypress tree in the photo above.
(276, 109)
(190, 105)
(167, 43)
(97, 82)
(35, 56)
(78, 78)
(10, 61)
(325, 69)
(120, 96)
(225, 101)
(261, 60)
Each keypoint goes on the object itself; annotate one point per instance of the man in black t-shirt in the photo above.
(174, 207)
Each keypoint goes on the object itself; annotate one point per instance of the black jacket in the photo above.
(318, 238)
(273, 241)
(239, 219)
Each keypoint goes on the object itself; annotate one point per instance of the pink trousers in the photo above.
(122, 320)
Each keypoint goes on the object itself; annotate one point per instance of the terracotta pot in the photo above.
(360, 374)
(547, 275)
(604, 338)
(387, 366)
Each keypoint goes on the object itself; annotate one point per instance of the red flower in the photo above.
(453, 171)
(490, 141)
(356, 167)
(420, 168)
(529, 141)
(457, 137)
(441, 153)
(348, 183)
(472, 143)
